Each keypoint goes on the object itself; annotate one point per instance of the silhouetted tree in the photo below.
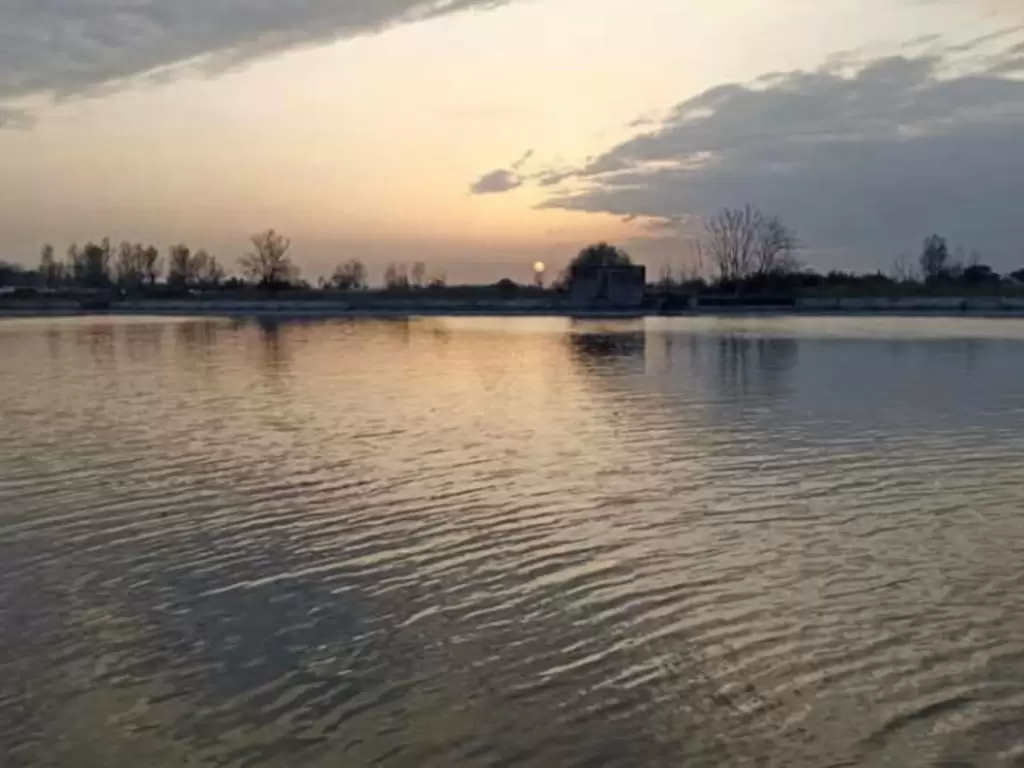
(51, 271)
(731, 241)
(16, 276)
(438, 279)
(350, 276)
(180, 266)
(934, 258)
(207, 271)
(92, 264)
(151, 266)
(418, 274)
(75, 263)
(268, 264)
(128, 266)
(192, 270)
(396, 278)
(136, 265)
(979, 274)
(600, 255)
(773, 249)
(744, 243)
(506, 288)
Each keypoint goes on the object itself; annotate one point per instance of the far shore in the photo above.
(906, 307)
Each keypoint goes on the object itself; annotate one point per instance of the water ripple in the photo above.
(521, 542)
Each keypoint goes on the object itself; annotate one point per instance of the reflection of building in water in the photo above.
(598, 346)
(616, 286)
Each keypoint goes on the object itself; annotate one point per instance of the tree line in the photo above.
(135, 267)
(744, 250)
(741, 250)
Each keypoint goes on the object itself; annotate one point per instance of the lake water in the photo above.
(519, 542)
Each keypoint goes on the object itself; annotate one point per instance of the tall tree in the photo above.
(350, 276)
(268, 264)
(180, 272)
(51, 271)
(744, 243)
(396, 277)
(76, 264)
(600, 255)
(934, 258)
(95, 264)
(128, 266)
(208, 272)
(418, 275)
(151, 266)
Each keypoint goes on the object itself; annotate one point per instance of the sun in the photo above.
(539, 267)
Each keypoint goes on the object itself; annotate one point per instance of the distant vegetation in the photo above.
(135, 268)
(745, 252)
(741, 251)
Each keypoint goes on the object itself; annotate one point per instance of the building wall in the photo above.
(608, 286)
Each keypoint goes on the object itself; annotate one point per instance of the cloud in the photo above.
(502, 180)
(864, 161)
(70, 47)
(518, 164)
(14, 118)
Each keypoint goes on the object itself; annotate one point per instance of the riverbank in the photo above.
(925, 306)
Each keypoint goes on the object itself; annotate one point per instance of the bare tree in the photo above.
(731, 236)
(268, 264)
(180, 269)
(418, 274)
(774, 247)
(666, 279)
(743, 242)
(76, 263)
(129, 265)
(192, 269)
(51, 271)
(902, 271)
(151, 267)
(206, 270)
(934, 257)
(396, 277)
(350, 276)
(92, 264)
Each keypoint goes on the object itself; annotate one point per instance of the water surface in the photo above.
(519, 542)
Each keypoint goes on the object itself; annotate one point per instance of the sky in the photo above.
(481, 136)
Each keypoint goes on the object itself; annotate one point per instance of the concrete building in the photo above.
(600, 286)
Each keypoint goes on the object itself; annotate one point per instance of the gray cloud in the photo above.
(863, 163)
(503, 179)
(69, 47)
(494, 182)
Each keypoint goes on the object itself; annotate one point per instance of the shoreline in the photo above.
(293, 312)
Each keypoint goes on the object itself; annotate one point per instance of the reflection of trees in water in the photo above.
(53, 339)
(743, 363)
(198, 338)
(274, 347)
(142, 340)
(98, 338)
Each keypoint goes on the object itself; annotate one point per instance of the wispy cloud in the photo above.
(518, 164)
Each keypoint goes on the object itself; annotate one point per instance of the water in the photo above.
(771, 542)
